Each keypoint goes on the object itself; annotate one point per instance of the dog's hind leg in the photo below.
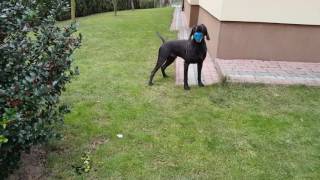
(155, 69)
(169, 61)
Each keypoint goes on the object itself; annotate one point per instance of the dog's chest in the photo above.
(196, 53)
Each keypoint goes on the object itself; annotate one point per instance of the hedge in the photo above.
(35, 66)
(87, 7)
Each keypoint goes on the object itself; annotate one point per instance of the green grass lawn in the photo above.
(225, 131)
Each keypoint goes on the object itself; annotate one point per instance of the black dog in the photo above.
(192, 51)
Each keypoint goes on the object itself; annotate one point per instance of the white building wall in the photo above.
(214, 7)
(193, 2)
(271, 11)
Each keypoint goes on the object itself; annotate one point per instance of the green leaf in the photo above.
(3, 139)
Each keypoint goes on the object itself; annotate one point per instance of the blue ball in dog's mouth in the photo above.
(198, 36)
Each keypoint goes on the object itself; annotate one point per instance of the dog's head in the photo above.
(198, 32)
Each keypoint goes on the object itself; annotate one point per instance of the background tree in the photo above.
(115, 6)
(73, 9)
(132, 4)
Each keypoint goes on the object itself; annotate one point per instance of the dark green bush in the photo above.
(35, 66)
(87, 7)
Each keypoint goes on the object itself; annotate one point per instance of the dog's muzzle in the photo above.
(198, 36)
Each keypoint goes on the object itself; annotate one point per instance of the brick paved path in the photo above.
(244, 71)
(270, 72)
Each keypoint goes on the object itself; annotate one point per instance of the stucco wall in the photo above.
(191, 13)
(213, 26)
(194, 2)
(214, 7)
(265, 41)
(270, 11)
(277, 11)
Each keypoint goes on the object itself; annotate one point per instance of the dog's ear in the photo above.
(205, 31)
(192, 32)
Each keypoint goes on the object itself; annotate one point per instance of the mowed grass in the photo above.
(227, 131)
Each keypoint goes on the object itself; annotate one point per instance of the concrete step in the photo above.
(209, 71)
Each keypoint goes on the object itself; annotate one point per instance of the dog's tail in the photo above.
(162, 39)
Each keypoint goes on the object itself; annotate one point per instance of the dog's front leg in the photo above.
(186, 67)
(199, 74)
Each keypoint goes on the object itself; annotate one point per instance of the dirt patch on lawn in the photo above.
(97, 142)
(32, 165)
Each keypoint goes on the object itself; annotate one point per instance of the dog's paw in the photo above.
(186, 88)
(150, 83)
(201, 84)
(166, 76)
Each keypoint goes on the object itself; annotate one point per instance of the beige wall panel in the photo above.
(191, 13)
(213, 26)
(265, 41)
